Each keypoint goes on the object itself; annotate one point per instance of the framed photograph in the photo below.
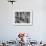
(23, 18)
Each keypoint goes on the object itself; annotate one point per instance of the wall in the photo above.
(9, 31)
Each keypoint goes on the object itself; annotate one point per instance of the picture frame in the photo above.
(24, 18)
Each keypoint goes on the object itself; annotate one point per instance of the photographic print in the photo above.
(23, 18)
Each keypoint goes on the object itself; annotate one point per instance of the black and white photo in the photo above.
(23, 18)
